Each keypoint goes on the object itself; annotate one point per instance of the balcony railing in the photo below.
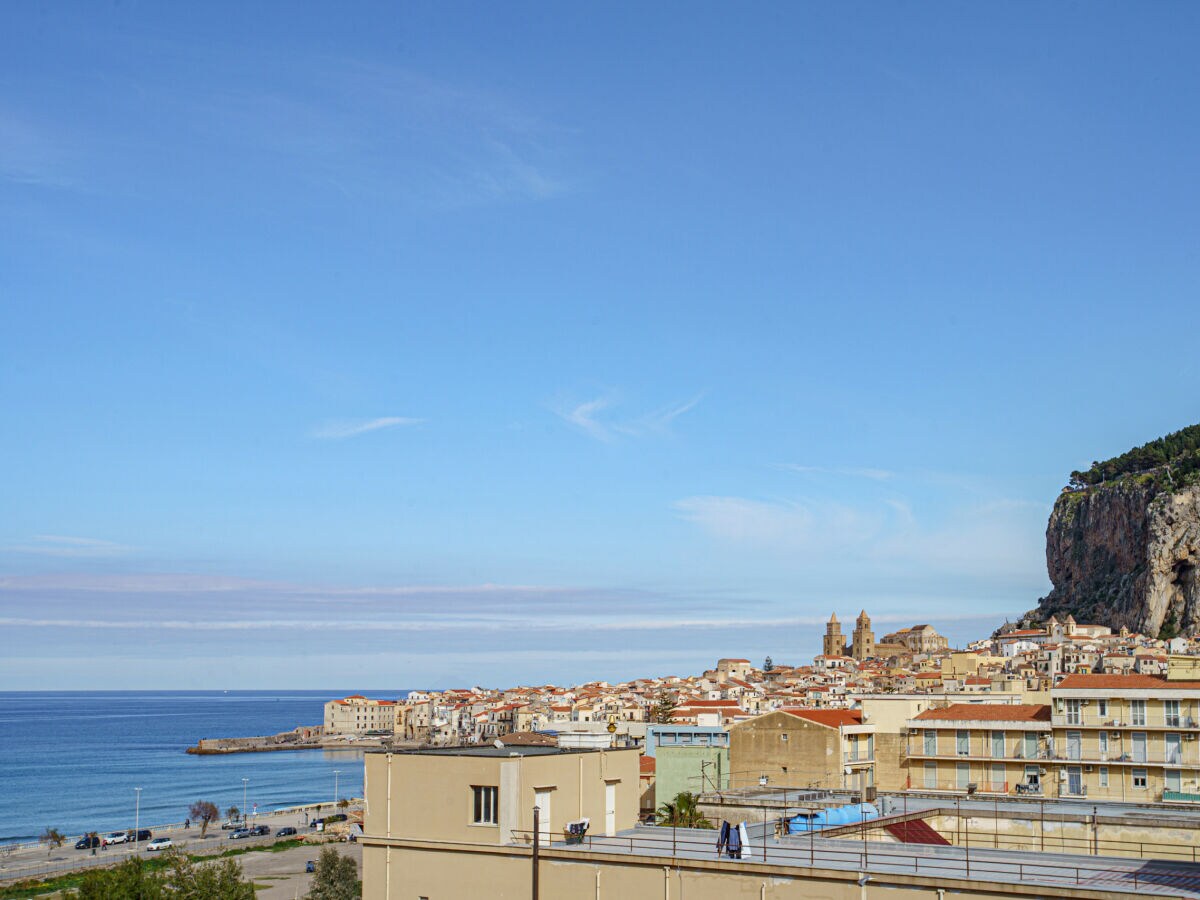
(969, 787)
(856, 758)
(918, 749)
(1082, 720)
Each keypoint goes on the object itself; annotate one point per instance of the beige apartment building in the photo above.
(1127, 737)
(986, 748)
(358, 715)
(1130, 738)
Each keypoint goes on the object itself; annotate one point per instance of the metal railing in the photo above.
(884, 859)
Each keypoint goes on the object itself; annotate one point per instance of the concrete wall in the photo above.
(694, 769)
(788, 750)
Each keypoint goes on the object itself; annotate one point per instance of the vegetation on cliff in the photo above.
(1173, 461)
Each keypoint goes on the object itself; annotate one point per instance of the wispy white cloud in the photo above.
(340, 430)
(590, 417)
(993, 539)
(65, 546)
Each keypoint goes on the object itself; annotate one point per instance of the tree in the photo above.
(664, 705)
(233, 813)
(53, 839)
(682, 812)
(1169, 629)
(131, 880)
(335, 878)
(188, 880)
(204, 812)
(182, 880)
(343, 804)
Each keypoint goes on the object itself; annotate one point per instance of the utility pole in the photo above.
(537, 835)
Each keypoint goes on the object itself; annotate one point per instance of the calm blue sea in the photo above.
(71, 760)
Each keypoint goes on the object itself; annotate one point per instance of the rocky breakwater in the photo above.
(1123, 542)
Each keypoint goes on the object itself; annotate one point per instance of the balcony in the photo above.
(1065, 790)
(858, 759)
(1083, 720)
(968, 788)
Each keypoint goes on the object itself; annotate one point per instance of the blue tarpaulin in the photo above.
(832, 818)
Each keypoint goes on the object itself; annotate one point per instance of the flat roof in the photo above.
(506, 751)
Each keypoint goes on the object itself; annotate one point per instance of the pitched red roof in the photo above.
(646, 765)
(830, 718)
(988, 712)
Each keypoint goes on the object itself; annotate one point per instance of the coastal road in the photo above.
(33, 861)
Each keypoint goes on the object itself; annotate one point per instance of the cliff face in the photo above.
(1126, 553)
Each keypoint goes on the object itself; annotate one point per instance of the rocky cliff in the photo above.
(1126, 553)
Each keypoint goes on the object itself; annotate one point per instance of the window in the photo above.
(1171, 713)
(783, 737)
(1139, 779)
(962, 776)
(931, 776)
(486, 805)
(1102, 708)
(1103, 742)
(1173, 780)
(1138, 750)
(930, 742)
(1137, 711)
(1030, 749)
(1104, 776)
(963, 741)
(1073, 715)
(998, 743)
(1033, 776)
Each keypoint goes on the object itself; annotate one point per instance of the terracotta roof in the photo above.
(988, 712)
(646, 765)
(830, 718)
(1125, 682)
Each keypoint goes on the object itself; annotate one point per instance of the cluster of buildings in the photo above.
(1066, 716)
(1060, 711)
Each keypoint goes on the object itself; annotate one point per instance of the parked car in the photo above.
(143, 834)
(285, 831)
(87, 842)
(232, 825)
(159, 844)
(260, 829)
(117, 837)
(239, 834)
(310, 866)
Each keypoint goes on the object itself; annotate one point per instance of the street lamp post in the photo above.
(245, 810)
(137, 815)
(335, 787)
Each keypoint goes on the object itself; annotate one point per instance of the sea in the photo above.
(71, 760)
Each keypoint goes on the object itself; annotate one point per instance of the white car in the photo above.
(159, 844)
(117, 837)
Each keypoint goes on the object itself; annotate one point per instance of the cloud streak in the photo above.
(342, 430)
(68, 547)
(589, 417)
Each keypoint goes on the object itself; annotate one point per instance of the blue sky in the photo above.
(444, 344)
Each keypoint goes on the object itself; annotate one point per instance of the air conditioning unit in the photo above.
(1062, 776)
(1190, 736)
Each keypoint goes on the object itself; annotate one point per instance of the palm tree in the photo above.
(682, 812)
(53, 839)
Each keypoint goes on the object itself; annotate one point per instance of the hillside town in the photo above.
(1063, 710)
